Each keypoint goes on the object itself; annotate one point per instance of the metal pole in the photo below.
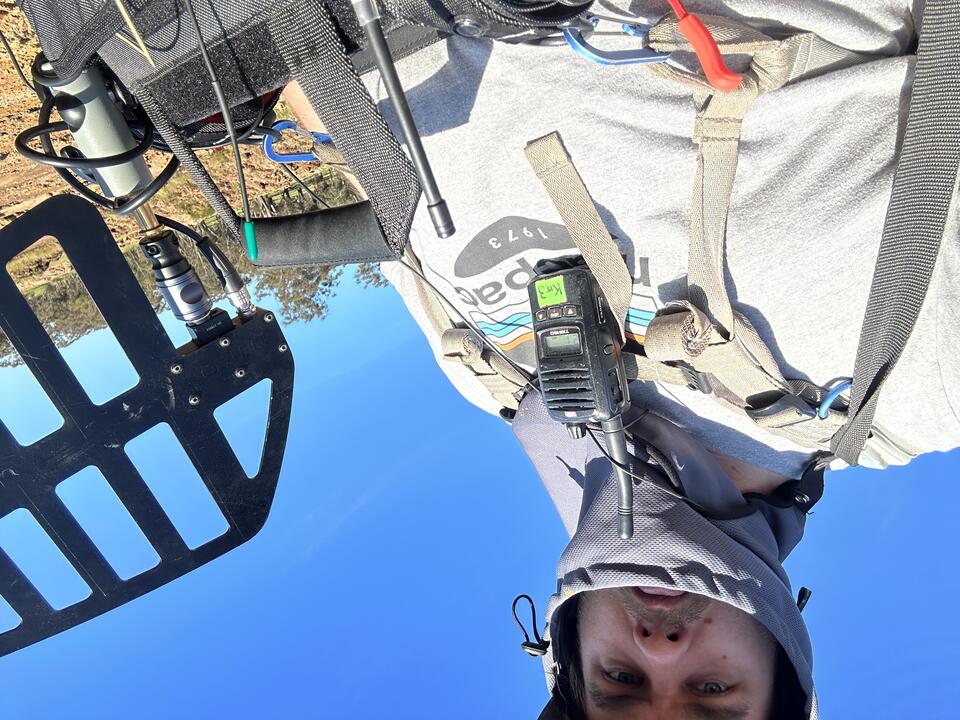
(369, 19)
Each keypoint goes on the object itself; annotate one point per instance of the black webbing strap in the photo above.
(317, 59)
(923, 189)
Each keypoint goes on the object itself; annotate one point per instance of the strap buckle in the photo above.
(696, 380)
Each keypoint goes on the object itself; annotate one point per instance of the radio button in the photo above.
(570, 310)
(553, 313)
(541, 314)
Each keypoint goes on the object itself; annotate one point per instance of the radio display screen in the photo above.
(567, 343)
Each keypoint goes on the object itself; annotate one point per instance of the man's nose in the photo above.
(659, 642)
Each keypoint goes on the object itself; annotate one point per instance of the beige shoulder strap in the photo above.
(705, 342)
(706, 332)
(555, 170)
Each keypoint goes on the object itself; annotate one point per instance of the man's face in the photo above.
(651, 654)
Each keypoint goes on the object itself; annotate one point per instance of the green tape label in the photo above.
(551, 291)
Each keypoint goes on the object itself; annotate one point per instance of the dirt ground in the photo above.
(24, 184)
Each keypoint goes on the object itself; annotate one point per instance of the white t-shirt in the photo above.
(806, 215)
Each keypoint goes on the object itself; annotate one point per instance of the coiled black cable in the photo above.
(68, 167)
(65, 165)
(538, 13)
(45, 128)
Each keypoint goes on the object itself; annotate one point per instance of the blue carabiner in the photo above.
(828, 399)
(580, 45)
(285, 158)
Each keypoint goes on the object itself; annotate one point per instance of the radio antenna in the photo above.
(369, 18)
(231, 132)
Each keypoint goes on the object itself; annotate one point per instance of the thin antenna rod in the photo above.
(369, 19)
(231, 132)
(615, 439)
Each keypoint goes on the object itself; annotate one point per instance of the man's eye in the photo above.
(712, 687)
(625, 678)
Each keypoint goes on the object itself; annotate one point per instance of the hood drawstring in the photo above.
(533, 649)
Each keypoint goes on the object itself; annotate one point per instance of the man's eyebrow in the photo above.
(697, 711)
(602, 701)
(705, 712)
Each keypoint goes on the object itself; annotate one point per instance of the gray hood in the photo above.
(730, 549)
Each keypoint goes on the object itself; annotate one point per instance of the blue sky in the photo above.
(404, 524)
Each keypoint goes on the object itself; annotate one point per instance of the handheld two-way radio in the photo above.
(580, 366)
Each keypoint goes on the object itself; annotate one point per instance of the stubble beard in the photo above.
(689, 611)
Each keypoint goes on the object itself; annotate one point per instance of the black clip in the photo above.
(696, 380)
(533, 649)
